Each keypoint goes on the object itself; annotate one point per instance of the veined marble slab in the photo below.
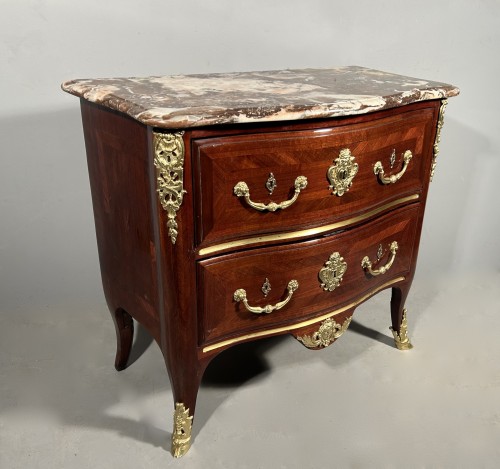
(184, 101)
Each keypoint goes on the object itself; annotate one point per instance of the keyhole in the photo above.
(380, 252)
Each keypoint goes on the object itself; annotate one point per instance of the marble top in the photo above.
(184, 101)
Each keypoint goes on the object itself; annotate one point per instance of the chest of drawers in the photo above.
(230, 207)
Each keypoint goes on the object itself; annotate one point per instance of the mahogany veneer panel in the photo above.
(222, 275)
(252, 157)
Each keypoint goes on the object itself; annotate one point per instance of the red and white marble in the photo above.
(184, 101)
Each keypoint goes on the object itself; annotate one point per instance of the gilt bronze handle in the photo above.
(378, 169)
(241, 190)
(241, 295)
(367, 265)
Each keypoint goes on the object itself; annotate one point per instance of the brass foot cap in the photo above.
(181, 436)
(401, 339)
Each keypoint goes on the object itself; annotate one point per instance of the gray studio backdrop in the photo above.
(47, 244)
(62, 405)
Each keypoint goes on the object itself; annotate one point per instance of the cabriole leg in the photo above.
(398, 314)
(124, 325)
(185, 382)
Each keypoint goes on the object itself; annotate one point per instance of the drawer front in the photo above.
(314, 265)
(319, 155)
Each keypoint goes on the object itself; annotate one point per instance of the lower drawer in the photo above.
(269, 287)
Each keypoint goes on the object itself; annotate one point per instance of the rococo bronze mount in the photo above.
(230, 207)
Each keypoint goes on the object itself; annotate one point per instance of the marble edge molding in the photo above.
(186, 101)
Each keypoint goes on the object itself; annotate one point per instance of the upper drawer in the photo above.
(326, 157)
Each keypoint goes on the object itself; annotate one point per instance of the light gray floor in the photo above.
(273, 404)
